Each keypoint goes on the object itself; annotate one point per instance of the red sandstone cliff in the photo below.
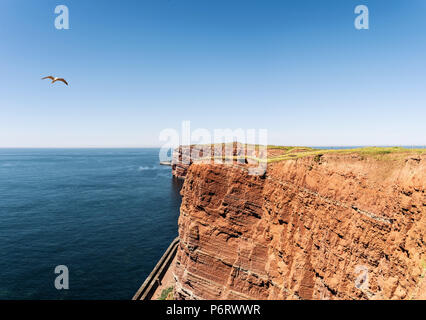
(330, 227)
(184, 156)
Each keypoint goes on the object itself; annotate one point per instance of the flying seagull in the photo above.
(54, 79)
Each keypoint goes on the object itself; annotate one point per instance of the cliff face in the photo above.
(181, 160)
(184, 156)
(330, 227)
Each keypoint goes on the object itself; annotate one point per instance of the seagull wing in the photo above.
(48, 77)
(63, 80)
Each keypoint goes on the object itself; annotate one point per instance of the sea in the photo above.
(107, 215)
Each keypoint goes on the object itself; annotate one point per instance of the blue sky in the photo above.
(297, 68)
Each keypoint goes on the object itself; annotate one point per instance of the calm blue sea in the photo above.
(107, 214)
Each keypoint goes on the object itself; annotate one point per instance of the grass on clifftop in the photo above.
(373, 152)
(281, 153)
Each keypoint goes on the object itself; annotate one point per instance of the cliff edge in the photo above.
(321, 226)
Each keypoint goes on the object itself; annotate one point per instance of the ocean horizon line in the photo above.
(158, 147)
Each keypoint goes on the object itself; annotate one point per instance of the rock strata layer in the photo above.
(329, 227)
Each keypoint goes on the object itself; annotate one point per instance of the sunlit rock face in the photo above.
(338, 227)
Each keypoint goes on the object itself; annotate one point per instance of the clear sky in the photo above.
(297, 68)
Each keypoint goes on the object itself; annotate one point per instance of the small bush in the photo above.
(165, 293)
(317, 158)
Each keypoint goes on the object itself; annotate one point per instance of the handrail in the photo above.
(151, 283)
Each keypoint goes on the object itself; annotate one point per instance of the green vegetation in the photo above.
(374, 152)
(288, 153)
(423, 265)
(166, 293)
(288, 149)
(317, 158)
(421, 278)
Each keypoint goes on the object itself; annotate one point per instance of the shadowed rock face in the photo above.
(343, 227)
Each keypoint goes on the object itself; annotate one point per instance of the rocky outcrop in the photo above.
(327, 227)
(184, 156)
